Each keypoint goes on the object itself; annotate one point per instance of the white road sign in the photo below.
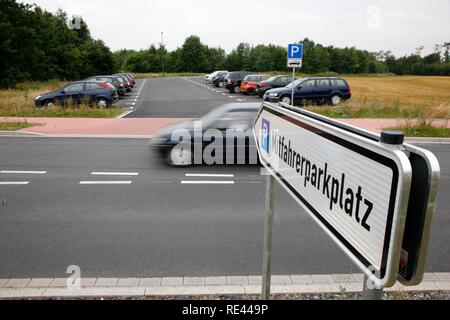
(356, 189)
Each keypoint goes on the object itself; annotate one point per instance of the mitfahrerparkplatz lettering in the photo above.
(352, 201)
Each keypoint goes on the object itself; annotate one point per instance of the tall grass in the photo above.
(423, 128)
(19, 102)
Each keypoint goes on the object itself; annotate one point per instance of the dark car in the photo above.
(129, 76)
(96, 93)
(331, 90)
(219, 79)
(126, 82)
(115, 81)
(225, 121)
(273, 83)
(233, 80)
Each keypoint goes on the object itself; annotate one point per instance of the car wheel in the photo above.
(221, 84)
(237, 89)
(47, 104)
(251, 92)
(336, 100)
(180, 156)
(286, 100)
(101, 103)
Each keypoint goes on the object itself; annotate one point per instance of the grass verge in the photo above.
(14, 126)
(19, 102)
(423, 128)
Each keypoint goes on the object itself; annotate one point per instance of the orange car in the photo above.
(248, 85)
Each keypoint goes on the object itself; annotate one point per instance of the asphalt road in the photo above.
(154, 225)
(187, 97)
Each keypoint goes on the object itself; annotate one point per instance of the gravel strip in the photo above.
(430, 295)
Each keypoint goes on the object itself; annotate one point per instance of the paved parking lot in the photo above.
(188, 97)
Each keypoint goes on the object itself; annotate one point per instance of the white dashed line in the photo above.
(114, 173)
(207, 182)
(104, 182)
(22, 172)
(15, 183)
(210, 175)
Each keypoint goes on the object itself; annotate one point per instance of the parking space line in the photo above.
(114, 173)
(13, 183)
(22, 172)
(210, 175)
(207, 182)
(104, 182)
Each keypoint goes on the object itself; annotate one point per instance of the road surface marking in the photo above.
(114, 173)
(23, 172)
(210, 175)
(15, 183)
(240, 100)
(207, 182)
(224, 94)
(105, 182)
(231, 97)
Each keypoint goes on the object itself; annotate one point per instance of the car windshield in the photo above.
(271, 79)
(295, 83)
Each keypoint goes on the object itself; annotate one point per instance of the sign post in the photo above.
(295, 59)
(267, 263)
(355, 185)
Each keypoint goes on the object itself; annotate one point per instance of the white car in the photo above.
(209, 78)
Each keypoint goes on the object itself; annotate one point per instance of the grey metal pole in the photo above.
(293, 80)
(370, 293)
(267, 256)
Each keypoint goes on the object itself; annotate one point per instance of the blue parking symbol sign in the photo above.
(265, 141)
(295, 51)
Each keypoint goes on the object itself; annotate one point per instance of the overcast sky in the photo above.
(399, 26)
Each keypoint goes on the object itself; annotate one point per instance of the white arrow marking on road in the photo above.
(114, 173)
(22, 172)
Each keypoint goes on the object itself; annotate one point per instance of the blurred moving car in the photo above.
(234, 117)
(219, 79)
(114, 80)
(272, 83)
(331, 90)
(249, 84)
(210, 77)
(100, 94)
(233, 80)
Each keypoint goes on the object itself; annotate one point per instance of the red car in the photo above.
(250, 82)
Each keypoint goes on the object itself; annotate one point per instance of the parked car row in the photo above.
(275, 89)
(100, 91)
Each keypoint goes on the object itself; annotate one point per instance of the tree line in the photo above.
(194, 56)
(38, 45)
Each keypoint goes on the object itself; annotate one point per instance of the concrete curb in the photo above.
(24, 133)
(201, 286)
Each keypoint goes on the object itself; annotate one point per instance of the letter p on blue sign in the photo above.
(265, 141)
(295, 51)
